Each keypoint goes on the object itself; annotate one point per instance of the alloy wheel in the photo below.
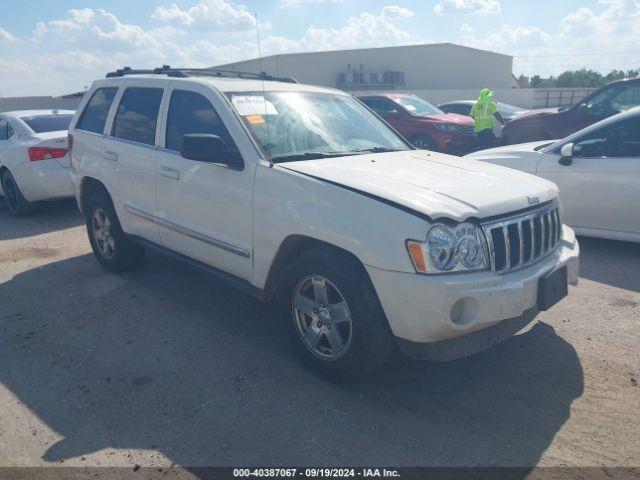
(102, 233)
(322, 317)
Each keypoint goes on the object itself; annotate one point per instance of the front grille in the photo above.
(518, 241)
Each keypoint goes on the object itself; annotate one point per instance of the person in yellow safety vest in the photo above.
(483, 113)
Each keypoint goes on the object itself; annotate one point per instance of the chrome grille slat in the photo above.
(492, 250)
(521, 239)
(507, 248)
(532, 225)
(511, 247)
(543, 243)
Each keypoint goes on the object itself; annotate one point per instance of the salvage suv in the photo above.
(303, 196)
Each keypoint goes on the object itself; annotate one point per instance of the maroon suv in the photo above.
(558, 123)
(424, 125)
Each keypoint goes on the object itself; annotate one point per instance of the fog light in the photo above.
(464, 311)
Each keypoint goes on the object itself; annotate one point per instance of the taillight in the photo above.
(46, 153)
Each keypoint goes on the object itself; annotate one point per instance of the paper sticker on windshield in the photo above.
(253, 105)
(255, 119)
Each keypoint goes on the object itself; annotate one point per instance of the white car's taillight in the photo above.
(45, 153)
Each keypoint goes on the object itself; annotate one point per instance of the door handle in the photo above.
(109, 155)
(170, 173)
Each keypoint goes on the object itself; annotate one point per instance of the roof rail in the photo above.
(189, 72)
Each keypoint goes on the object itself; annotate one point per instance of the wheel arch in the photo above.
(89, 185)
(3, 168)
(290, 248)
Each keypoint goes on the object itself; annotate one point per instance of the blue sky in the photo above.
(59, 46)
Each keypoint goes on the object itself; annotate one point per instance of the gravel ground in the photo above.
(164, 366)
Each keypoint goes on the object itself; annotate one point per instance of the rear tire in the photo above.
(110, 244)
(13, 198)
(341, 334)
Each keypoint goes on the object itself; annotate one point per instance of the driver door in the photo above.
(204, 209)
(600, 188)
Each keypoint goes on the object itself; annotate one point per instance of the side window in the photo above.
(95, 113)
(379, 105)
(620, 140)
(4, 130)
(137, 115)
(627, 98)
(190, 112)
(10, 130)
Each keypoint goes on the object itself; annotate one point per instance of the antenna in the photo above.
(264, 94)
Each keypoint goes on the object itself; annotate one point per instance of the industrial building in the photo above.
(439, 66)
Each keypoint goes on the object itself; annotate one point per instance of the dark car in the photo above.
(463, 107)
(423, 124)
(613, 98)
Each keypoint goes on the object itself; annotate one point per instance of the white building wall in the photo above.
(435, 66)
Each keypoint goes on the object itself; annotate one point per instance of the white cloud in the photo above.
(298, 3)
(217, 14)
(448, 7)
(466, 28)
(5, 36)
(40, 30)
(507, 40)
(366, 29)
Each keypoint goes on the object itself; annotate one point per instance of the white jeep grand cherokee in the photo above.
(302, 195)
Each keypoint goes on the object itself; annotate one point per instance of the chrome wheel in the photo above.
(102, 233)
(322, 317)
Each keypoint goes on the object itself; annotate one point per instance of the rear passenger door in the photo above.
(204, 209)
(130, 150)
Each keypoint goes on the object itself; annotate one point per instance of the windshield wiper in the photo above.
(376, 150)
(309, 156)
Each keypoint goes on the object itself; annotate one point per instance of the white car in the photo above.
(34, 162)
(596, 169)
(301, 195)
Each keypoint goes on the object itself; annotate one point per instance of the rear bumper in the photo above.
(43, 180)
(420, 308)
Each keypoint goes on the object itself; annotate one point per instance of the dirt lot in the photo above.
(165, 366)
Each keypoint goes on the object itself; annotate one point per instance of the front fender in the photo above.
(290, 203)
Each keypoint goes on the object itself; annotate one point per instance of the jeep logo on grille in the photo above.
(533, 199)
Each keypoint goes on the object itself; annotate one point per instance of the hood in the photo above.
(539, 112)
(433, 184)
(451, 118)
(511, 149)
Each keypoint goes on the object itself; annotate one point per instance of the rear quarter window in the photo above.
(95, 113)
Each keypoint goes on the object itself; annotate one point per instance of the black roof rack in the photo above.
(189, 72)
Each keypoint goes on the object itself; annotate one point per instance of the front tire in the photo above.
(110, 244)
(13, 198)
(423, 142)
(333, 317)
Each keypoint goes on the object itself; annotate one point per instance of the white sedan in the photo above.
(34, 160)
(596, 169)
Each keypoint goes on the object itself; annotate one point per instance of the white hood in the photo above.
(435, 184)
(524, 156)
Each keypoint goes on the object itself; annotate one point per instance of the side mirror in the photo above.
(205, 147)
(566, 154)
